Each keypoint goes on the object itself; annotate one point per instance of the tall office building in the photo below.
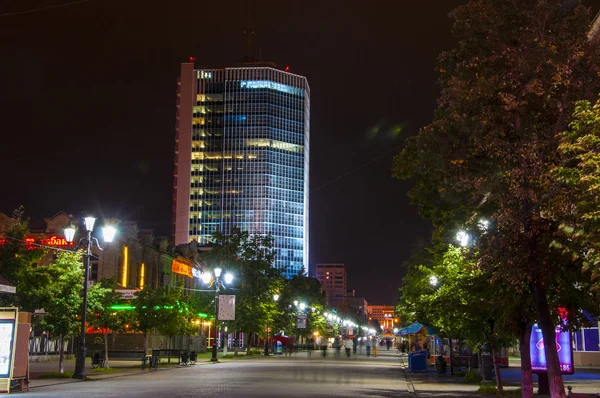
(242, 157)
(334, 281)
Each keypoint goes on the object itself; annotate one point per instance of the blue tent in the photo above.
(414, 329)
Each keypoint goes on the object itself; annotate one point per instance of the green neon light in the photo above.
(121, 307)
(203, 315)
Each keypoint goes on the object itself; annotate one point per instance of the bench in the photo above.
(163, 353)
(98, 357)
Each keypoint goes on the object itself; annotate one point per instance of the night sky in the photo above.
(87, 110)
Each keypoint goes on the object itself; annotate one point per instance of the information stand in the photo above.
(14, 348)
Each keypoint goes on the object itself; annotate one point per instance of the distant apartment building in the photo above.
(334, 281)
(385, 315)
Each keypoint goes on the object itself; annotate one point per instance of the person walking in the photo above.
(368, 347)
(348, 346)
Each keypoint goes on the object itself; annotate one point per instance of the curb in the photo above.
(410, 388)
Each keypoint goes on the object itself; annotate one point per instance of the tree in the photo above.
(103, 295)
(579, 150)
(508, 89)
(16, 256)
(56, 289)
(148, 311)
(250, 258)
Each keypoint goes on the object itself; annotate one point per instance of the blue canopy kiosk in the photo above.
(417, 361)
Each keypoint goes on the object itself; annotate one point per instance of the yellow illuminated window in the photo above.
(142, 275)
(125, 265)
(201, 97)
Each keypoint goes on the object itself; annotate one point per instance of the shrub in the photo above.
(473, 377)
(488, 389)
(56, 375)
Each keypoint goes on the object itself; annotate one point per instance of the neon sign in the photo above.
(182, 269)
(55, 241)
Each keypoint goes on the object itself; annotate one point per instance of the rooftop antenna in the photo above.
(249, 32)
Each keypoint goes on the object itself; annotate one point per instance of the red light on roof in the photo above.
(192, 59)
(287, 68)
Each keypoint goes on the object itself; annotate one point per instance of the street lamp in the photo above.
(88, 243)
(463, 238)
(218, 284)
(433, 280)
(275, 298)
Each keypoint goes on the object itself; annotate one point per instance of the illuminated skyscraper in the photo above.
(242, 157)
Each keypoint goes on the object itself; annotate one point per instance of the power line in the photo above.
(10, 14)
(358, 168)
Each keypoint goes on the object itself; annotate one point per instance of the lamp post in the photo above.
(275, 298)
(88, 243)
(218, 284)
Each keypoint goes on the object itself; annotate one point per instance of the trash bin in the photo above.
(440, 365)
(417, 361)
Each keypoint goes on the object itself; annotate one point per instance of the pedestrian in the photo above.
(368, 347)
(338, 347)
(388, 343)
(348, 346)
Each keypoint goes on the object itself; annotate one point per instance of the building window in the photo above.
(587, 340)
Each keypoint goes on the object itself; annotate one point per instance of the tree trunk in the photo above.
(249, 335)
(146, 341)
(61, 354)
(526, 375)
(236, 349)
(557, 387)
(497, 368)
(105, 348)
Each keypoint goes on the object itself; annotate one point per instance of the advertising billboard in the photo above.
(563, 346)
(7, 328)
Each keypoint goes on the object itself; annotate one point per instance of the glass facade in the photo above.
(249, 159)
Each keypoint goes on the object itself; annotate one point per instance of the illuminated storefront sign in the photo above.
(53, 240)
(563, 346)
(181, 268)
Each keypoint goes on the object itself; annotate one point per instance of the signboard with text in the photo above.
(563, 346)
(7, 328)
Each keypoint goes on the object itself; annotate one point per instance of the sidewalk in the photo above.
(125, 368)
(428, 384)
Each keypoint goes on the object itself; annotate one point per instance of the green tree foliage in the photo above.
(149, 313)
(56, 289)
(16, 256)
(103, 296)
(508, 88)
(579, 170)
(250, 258)
(303, 290)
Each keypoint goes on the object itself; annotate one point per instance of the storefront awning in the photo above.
(414, 329)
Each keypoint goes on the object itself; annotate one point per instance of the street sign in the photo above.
(301, 321)
(226, 307)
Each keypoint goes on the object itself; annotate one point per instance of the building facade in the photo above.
(242, 157)
(334, 281)
(385, 315)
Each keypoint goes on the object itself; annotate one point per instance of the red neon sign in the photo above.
(55, 241)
